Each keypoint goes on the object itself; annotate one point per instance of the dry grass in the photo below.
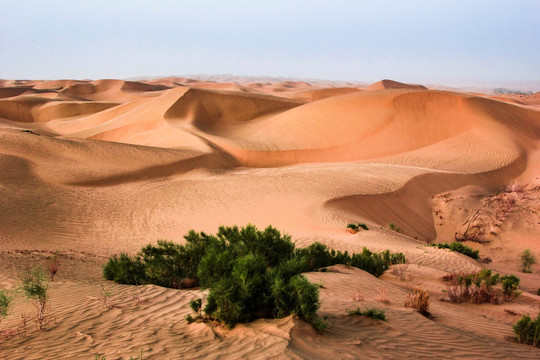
(383, 296)
(418, 300)
(402, 272)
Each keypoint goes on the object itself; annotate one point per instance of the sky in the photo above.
(426, 41)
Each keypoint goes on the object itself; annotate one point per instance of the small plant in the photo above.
(527, 330)
(34, 286)
(418, 300)
(383, 296)
(510, 285)
(105, 297)
(393, 227)
(538, 292)
(369, 312)
(319, 324)
(527, 261)
(5, 304)
(189, 318)
(52, 266)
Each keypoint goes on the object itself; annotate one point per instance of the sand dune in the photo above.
(390, 84)
(92, 168)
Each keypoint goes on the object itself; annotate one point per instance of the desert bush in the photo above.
(538, 292)
(527, 330)
(369, 312)
(357, 227)
(460, 248)
(402, 272)
(510, 285)
(527, 261)
(476, 288)
(418, 300)
(249, 273)
(34, 286)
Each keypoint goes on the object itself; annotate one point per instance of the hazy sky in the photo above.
(406, 40)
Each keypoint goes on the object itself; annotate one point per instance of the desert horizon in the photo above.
(94, 168)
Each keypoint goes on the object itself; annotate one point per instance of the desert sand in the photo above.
(89, 169)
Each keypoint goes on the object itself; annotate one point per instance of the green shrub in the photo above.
(249, 273)
(369, 312)
(510, 285)
(527, 330)
(34, 285)
(195, 305)
(124, 270)
(527, 261)
(357, 227)
(460, 248)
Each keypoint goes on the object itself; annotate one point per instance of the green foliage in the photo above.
(460, 248)
(195, 305)
(527, 330)
(369, 312)
(510, 285)
(125, 270)
(34, 285)
(319, 324)
(249, 273)
(527, 261)
(5, 303)
(356, 227)
(393, 227)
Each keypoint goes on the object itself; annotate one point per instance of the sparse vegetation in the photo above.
(393, 227)
(5, 304)
(460, 248)
(34, 286)
(356, 227)
(369, 312)
(418, 300)
(249, 273)
(52, 266)
(527, 261)
(402, 272)
(478, 288)
(527, 330)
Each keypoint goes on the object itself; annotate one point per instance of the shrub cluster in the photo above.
(249, 273)
(369, 312)
(460, 248)
(527, 330)
(478, 288)
(356, 227)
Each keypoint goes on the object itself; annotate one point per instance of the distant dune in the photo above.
(92, 168)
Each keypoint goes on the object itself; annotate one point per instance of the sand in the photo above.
(89, 169)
